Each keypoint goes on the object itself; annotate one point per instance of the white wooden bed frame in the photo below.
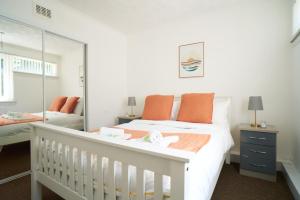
(62, 177)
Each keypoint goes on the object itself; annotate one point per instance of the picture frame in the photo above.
(191, 60)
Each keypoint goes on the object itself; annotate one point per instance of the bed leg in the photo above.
(227, 159)
(36, 189)
(1, 147)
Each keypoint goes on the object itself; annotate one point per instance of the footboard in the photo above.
(80, 165)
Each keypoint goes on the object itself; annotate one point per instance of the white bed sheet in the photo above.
(204, 168)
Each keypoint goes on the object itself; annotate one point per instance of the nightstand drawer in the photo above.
(257, 152)
(259, 165)
(260, 138)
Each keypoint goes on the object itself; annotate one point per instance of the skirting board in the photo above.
(293, 179)
(14, 177)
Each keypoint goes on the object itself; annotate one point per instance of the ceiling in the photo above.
(133, 15)
(24, 36)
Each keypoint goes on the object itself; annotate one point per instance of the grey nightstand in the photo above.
(258, 152)
(127, 119)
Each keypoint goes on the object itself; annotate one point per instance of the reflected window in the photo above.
(33, 66)
(11, 63)
(6, 79)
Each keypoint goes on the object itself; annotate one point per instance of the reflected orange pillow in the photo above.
(196, 108)
(57, 103)
(70, 105)
(158, 107)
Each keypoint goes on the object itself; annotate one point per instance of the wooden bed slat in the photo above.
(71, 168)
(64, 164)
(111, 180)
(158, 186)
(57, 161)
(80, 172)
(99, 192)
(125, 183)
(140, 184)
(89, 178)
(51, 160)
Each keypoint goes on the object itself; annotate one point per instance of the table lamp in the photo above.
(255, 103)
(131, 103)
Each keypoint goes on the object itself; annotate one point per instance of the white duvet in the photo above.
(203, 169)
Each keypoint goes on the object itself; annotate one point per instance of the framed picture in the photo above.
(191, 60)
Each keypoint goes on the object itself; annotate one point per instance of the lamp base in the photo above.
(254, 125)
(257, 126)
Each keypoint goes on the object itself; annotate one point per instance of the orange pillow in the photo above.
(57, 103)
(196, 108)
(70, 105)
(158, 107)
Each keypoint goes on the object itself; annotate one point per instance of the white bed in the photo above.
(193, 176)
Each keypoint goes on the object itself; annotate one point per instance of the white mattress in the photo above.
(204, 168)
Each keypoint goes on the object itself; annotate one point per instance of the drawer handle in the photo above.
(260, 152)
(256, 138)
(258, 165)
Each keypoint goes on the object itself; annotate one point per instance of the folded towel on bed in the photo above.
(114, 132)
(155, 137)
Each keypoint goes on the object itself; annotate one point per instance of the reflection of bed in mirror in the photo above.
(15, 131)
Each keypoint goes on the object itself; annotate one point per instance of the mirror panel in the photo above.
(64, 81)
(21, 70)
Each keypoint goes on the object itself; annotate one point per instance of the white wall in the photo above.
(296, 98)
(296, 89)
(69, 72)
(106, 54)
(247, 52)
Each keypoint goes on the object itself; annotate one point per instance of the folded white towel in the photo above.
(112, 132)
(156, 138)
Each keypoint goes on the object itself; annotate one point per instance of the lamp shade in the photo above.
(255, 103)
(131, 101)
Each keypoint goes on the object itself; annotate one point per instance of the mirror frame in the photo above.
(85, 65)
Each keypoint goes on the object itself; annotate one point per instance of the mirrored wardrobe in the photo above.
(42, 78)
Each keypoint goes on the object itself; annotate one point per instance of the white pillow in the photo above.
(175, 109)
(79, 107)
(221, 111)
